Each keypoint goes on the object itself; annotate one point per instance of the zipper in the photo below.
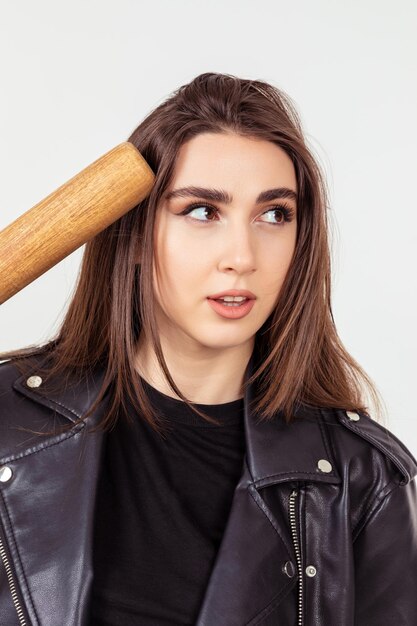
(12, 586)
(293, 524)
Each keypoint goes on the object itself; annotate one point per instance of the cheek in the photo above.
(182, 267)
(276, 258)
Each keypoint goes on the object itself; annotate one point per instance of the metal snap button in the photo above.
(289, 569)
(324, 466)
(352, 415)
(34, 381)
(5, 473)
(311, 571)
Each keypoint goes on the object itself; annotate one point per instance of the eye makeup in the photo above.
(287, 212)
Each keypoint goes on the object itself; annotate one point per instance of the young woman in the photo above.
(194, 446)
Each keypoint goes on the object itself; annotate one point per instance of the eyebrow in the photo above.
(219, 195)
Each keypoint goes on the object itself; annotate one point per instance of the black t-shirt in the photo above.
(161, 509)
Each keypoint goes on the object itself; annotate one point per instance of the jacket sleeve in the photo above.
(385, 556)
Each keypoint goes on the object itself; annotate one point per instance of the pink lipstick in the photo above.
(232, 304)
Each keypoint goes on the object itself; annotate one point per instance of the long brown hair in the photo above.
(303, 359)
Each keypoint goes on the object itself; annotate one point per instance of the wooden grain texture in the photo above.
(71, 215)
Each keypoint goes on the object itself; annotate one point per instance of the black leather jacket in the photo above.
(322, 529)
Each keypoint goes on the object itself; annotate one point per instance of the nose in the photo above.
(237, 250)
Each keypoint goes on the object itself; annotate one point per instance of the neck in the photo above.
(204, 375)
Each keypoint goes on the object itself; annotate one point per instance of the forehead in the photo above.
(233, 162)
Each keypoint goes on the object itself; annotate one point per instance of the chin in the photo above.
(215, 341)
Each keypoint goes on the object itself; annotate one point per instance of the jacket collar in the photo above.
(276, 451)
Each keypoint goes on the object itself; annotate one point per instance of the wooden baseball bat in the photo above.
(71, 215)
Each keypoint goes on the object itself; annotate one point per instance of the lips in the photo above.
(233, 292)
(233, 312)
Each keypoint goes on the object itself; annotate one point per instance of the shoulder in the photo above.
(375, 465)
(10, 371)
(22, 421)
(378, 470)
(368, 447)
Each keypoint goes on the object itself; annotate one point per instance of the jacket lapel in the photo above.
(249, 577)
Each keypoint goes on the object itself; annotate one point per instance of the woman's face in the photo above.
(220, 245)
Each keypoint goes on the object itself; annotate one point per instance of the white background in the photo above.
(77, 78)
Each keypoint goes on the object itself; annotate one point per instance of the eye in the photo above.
(286, 212)
(202, 209)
